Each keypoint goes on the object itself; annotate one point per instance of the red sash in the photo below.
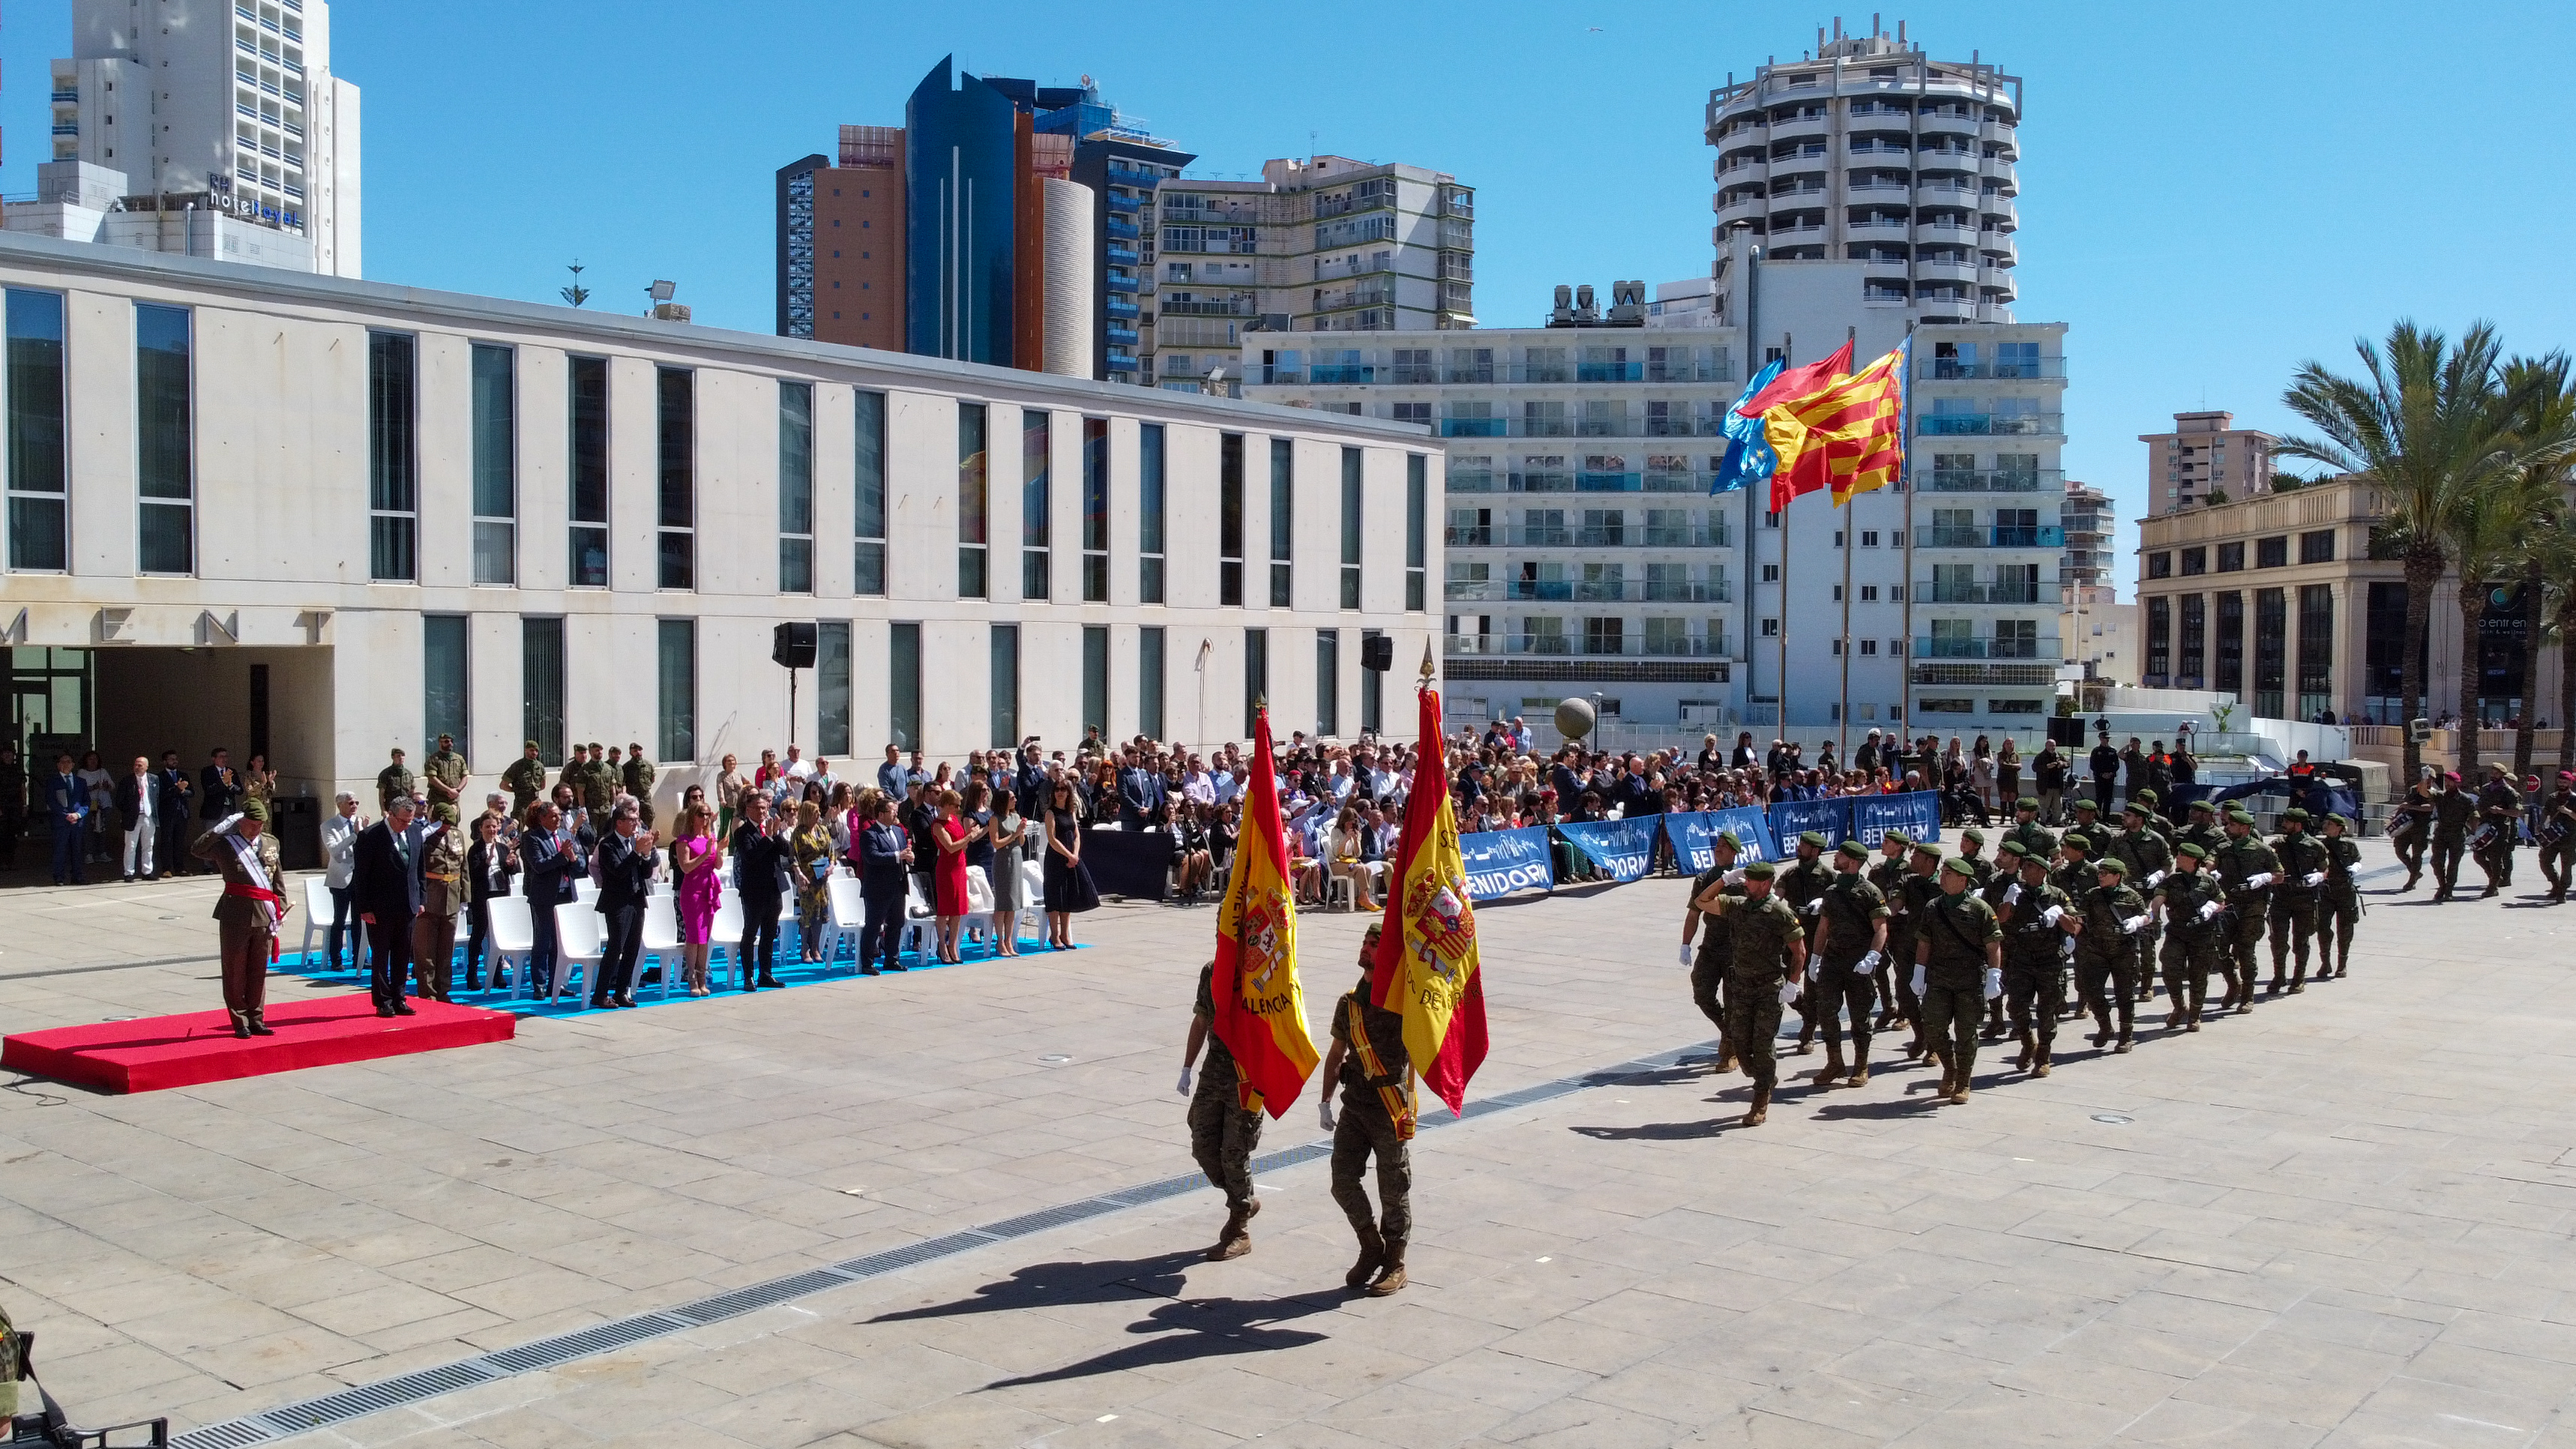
(276, 905)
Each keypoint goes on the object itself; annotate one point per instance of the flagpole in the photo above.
(1851, 515)
(1905, 515)
(1780, 686)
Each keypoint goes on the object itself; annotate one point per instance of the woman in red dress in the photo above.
(949, 879)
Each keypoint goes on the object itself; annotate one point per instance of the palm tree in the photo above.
(2425, 421)
(2549, 413)
(2486, 530)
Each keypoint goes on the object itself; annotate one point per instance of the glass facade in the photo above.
(1149, 514)
(832, 688)
(39, 530)
(541, 686)
(1417, 504)
(496, 465)
(796, 488)
(393, 457)
(1283, 521)
(587, 428)
(961, 176)
(1095, 510)
(1229, 525)
(676, 732)
(869, 512)
(1350, 528)
(1328, 682)
(445, 679)
(1095, 678)
(1037, 529)
(974, 498)
(1149, 681)
(903, 685)
(2316, 648)
(164, 440)
(2271, 651)
(1256, 675)
(1004, 693)
(675, 449)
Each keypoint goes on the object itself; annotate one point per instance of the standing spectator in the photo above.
(919, 814)
(698, 861)
(339, 863)
(2186, 774)
(950, 832)
(885, 868)
(135, 800)
(760, 873)
(100, 788)
(2048, 771)
(553, 855)
(2008, 770)
(384, 884)
(218, 791)
(1069, 891)
(1981, 774)
(2105, 763)
(626, 861)
(490, 863)
(2133, 768)
(66, 806)
(809, 862)
(1010, 837)
(729, 787)
(1140, 792)
(639, 783)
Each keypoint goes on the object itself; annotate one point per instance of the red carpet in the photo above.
(160, 1052)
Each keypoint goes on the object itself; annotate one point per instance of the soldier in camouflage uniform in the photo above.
(1802, 885)
(1708, 963)
(1223, 1132)
(2144, 848)
(2038, 929)
(2454, 810)
(2339, 902)
(1980, 870)
(1888, 874)
(2192, 907)
(2034, 837)
(2202, 828)
(2248, 870)
(2072, 874)
(639, 783)
(2106, 955)
(2557, 834)
(2293, 917)
(1842, 972)
(598, 790)
(1909, 906)
(1992, 889)
(2500, 804)
(393, 782)
(444, 773)
(1958, 965)
(1376, 1121)
(1770, 952)
(525, 780)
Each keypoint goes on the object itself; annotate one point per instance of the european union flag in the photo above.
(1749, 458)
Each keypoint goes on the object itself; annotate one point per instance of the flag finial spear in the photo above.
(1427, 669)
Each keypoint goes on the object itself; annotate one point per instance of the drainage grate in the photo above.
(363, 1399)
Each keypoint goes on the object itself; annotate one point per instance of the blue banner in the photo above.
(1917, 813)
(1620, 847)
(1693, 834)
(1793, 818)
(1499, 862)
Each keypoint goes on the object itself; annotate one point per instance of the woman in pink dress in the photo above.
(697, 857)
(949, 878)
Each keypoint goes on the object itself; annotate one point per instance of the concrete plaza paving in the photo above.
(2342, 1219)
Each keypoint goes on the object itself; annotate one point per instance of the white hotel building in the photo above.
(319, 518)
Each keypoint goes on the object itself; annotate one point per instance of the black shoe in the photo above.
(384, 1011)
(260, 1028)
(771, 982)
(403, 1008)
(598, 1005)
(626, 1001)
(867, 971)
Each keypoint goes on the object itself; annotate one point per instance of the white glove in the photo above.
(1732, 877)
(1994, 982)
(1324, 1110)
(2314, 878)
(1918, 982)
(1687, 954)
(1868, 963)
(2154, 879)
(2210, 911)
(2049, 917)
(2012, 893)
(1184, 1087)
(2133, 925)
(1816, 907)
(2258, 880)
(1815, 966)
(1788, 991)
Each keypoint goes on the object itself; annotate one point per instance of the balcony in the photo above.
(1122, 230)
(1564, 483)
(1990, 591)
(66, 98)
(2018, 650)
(1507, 536)
(1118, 203)
(1609, 371)
(1120, 307)
(1119, 336)
(2045, 536)
(1571, 591)
(1624, 645)
(1942, 425)
(1119, 284)
(2042, 480)
(1117, 255)
(1341, 374)
(1125, 174)
(1416, 373)
(1474, 427)
(1945, 369)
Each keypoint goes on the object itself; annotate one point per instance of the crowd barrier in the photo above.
(1500, 862)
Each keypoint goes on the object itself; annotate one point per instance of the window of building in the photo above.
(1328, 682)
(1256, 675)
(675, 734)
(1095, 678)
(2159, 642)
(974, 497)
(2195, 561)
(832, 731)
(1417, 504)
(796, 488)
(38, 520)
(541, 686)
(2271, 651)
(2316, 548)
(1868, 647)
(1149, 681)
(1350, 528)
(2272, 553)
(1037, 454)
(496, 465)
(2228, 672)
(1149, 515)
(903, 685)
(588, 429)
(1869, 594)
(2160, 565)
(2195, 631)
(1283, 520)
(1002, 732)
(393, 459)
(1770, 628)
(869, 515)
(1372, 691)
(446, 676)
(1229, 528)
(2231, 558)
(2383, 679)
(1095, 510)
(675, 446)
(1770, 573)
(2316, 645)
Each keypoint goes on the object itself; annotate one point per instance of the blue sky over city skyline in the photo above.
(2210, 194)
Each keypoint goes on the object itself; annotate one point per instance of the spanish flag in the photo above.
(1848, 436)
(1260, 1012)
(1426, 966)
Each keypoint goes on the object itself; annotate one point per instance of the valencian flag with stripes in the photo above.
(1426, 962)
(1848, 436)
(1260, 1012)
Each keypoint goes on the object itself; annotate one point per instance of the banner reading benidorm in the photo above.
(1621, 847)
(1694, 831)
(1500, 862)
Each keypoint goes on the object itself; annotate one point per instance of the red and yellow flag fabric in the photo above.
(1848, 436)
(1260, 1010)
(1426, 960)
(1798, 382)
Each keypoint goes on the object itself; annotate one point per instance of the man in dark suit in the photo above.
(760, 871)
(885, 862)
(384, 885)
(1140, 793)
(170, 804)
(625, 881)
(554, 858)
(66, 806)
(219, 788)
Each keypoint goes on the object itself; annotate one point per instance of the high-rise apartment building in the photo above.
(203, 127)
(2086, 517)
(1873, 152)
(2205, 454)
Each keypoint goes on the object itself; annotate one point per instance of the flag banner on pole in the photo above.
(1797, 382)
(1748, 458)
(1499, 862)
(1260, 1010)
(1426, 961)
(1848, 437)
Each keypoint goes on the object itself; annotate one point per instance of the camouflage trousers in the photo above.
(1753, 1027)
(2338, 913)
(2293, 921)
(2188, 960)
(1364, 1131)
(1223, 1137)
(2107, 983)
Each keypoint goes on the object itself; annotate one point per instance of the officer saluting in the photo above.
(1709, 962)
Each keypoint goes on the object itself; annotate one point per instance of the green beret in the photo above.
(1815, 838)
(2296, 813)
(2338, 820)
(2148, 796)
(2076, 840)
(1760, 870)
(2026, 803)
(1730, 839)
(2239, 815)
(1931, 848)
(2192, 850)
(2011, 847)
(1973, 836)
(2087, 802)
(2204, 805)
(2112, 867)
(1896, 837)
(256, 808)
(1854, 849)
(1958, 865)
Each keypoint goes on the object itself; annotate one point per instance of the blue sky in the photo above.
(2210, 193)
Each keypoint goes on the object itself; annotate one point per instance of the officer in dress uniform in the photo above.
(250, 911)
(1709, 960)
(442, 894)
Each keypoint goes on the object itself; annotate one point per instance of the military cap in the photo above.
(1973, 836)
(2192, 849)
(2204, 805)
(2026, 802)
(1958, 865)
(445, 737)
(2295, 812)
(530, 745)
(2239, 815)
(2337, 819)
(398, 752)
(2011, 847)
(444, 812)
(1815, 838)
(1931, 848)
(2148, 796)
(1854, 849)
(1760, 870)
(256, 808)
(1897, 837)
(1729, 838)
(2087, 802)
(2112, 866)
(2076, 840)
(2135, 807)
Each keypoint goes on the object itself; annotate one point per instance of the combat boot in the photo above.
(1834, 1068)
(2021, 1063)
(2039, 1068)
(1761, 1111)
(1233, 1241)
(1806, 1038)
(1372, 1256)
(1390, 1279)
(2121, 1048)
(259, 1022)
(1860, 1069)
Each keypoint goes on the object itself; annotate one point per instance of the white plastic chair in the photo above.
(1031, 920)
(979, 911)
(661, 944)
(724, 933)
(1339, 892)
(844, 912)
(585, 891)
(513, 938)
(579, 941)
(317, 919)
(919, 920)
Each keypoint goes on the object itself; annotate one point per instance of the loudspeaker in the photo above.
(1377, 652)
(792, 644)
